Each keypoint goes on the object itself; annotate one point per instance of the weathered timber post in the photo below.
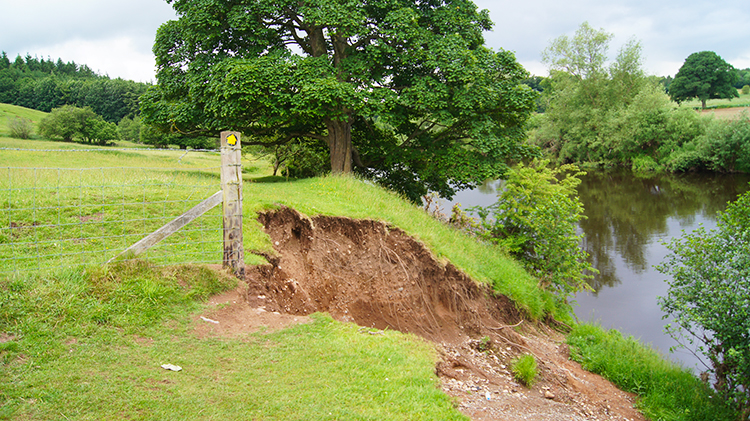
(231, 186)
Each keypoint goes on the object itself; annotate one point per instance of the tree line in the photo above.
(606, 113)
(84, 105)
(44, 84)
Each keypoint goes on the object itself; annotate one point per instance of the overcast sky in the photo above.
(114, 37)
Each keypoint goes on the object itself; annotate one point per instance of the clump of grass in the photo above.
(524, 369)
(128, 296)
(667, 392)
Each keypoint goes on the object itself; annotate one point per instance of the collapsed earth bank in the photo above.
(375, 275)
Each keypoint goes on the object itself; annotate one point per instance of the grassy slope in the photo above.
(667, 392)
(329, 196)
(350, 197)
(8, 112)
(89, 346)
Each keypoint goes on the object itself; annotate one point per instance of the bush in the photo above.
(645, 164)
(685, 159)
(20, 128)
(709, 298)
(99, 131)
(536, 219)
(72, 123)
(639, 128)
(129, 129)
(724, 146)
(525, 369)
(746, 90)
(310, 159)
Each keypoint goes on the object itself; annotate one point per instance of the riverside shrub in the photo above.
(709, 298)
(536, 219)
(724, 146)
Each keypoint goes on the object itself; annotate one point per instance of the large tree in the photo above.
(586, 90)
(705, 76)
(402, 90)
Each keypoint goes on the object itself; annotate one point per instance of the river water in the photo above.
(628, 219)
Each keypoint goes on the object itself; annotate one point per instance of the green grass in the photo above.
(72, 208)
(666, 391)
(61, 206)
(89, 346)
(742, 101)
(92, 204)
(524, 369)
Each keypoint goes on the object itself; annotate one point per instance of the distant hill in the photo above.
(8, 111)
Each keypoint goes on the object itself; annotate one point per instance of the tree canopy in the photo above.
(586, 93)
(71, 123)
(704, 75)
(402, 91)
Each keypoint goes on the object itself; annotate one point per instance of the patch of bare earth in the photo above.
(727, 113)
(232, 314)
(373, 274)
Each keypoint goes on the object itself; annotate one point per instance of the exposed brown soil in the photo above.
(727, 113)
(375, 275)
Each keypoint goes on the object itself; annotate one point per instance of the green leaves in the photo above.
(536, 218)
(405, 90)
(709, 297)
(69, 123)
(587, 96)
(704, 75)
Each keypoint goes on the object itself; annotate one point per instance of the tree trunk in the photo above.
(703, 102)
(339, 130)
(340, 145)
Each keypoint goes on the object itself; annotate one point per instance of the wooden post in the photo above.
(231, 186)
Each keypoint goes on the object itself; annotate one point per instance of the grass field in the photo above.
(63, 206)
(89, 346)
(742, 101)
(728, 113)
(86, 342)
(8, 112)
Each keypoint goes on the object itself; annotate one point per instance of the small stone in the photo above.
(549, 395)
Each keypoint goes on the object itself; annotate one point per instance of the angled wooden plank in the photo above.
(172, 227)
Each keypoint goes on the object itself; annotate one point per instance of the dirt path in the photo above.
(375, 275)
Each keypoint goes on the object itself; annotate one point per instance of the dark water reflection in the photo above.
(626, 215)
(628, 220)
